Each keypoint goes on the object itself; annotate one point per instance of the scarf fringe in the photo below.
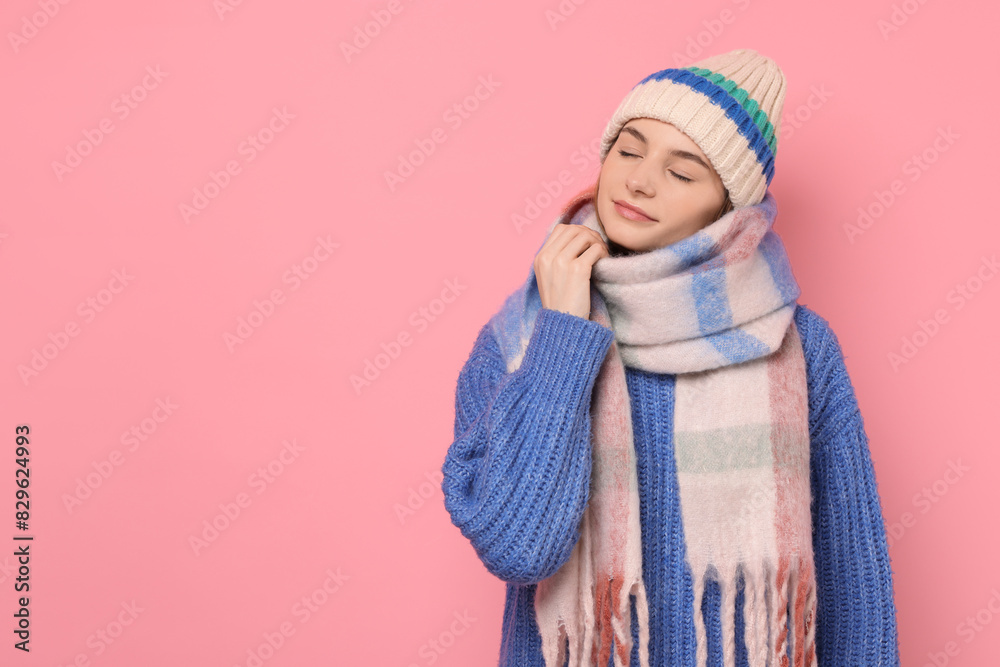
(592, 639)
(774, 599)
(622, 622)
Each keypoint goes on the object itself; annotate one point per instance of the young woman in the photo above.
(656, 446)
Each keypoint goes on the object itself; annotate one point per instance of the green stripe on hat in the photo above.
(748, 103)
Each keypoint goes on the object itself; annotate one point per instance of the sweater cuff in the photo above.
(568, 343)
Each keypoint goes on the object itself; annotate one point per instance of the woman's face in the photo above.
(655, 167)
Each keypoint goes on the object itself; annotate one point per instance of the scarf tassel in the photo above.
(596, 638)
(773, 599)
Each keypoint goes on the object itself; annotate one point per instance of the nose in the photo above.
(640, 179)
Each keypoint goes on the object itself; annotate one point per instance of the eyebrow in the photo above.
(673, 151)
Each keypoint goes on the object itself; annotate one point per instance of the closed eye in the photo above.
(678, 176)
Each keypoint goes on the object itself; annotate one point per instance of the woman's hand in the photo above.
(563, 267)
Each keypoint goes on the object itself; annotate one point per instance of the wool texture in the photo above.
(716, 309)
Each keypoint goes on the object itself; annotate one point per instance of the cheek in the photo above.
(605, 210)
(611, 169)
(605, 173)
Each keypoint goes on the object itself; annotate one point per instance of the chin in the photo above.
(620, 247)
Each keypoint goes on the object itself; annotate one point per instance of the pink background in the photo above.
(861, 103)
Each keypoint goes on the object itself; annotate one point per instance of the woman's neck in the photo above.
(617, 250)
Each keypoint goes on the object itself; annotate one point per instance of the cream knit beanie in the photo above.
(729, 104)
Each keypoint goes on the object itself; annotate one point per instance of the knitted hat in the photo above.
(729, 104)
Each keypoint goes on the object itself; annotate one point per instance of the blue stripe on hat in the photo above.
(734, 111)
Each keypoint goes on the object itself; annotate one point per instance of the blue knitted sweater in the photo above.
(517, 477)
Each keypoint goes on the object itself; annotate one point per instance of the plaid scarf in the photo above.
(716, 309)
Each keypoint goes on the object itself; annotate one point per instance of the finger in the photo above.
(562, 235)
(594, 253)
(576, 246)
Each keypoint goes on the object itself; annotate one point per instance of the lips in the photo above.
(632, 212)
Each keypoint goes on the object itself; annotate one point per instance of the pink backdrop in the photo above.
(217, 216)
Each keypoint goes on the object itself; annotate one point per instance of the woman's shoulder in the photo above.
(816, 333)
(832, 398)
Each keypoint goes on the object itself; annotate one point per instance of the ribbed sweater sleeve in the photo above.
(517, 476)
(856, 612)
